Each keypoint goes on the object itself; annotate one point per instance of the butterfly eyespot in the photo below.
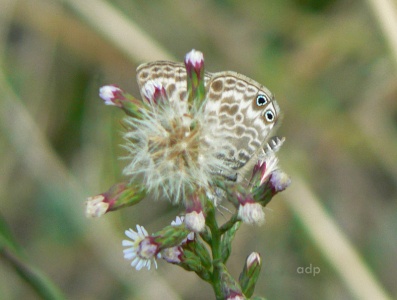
(261, 100)
(269, 115)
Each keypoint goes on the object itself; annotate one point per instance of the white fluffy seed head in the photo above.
(169, 152)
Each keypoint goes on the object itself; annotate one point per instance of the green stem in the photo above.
(216, 252)
(206, 236)
(229, 224)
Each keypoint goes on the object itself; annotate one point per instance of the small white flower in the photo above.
(108, 92)
(251, 213)
(195, 221)
(95, 207)
(179, 221)
(141, 250)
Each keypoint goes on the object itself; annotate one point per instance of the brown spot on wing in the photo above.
(217, 86)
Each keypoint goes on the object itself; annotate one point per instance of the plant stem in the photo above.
(229, 224)
(216, 252)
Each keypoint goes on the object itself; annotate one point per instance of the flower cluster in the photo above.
(171, 157)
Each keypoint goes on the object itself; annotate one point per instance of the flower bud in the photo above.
(253, 259)
(96, 206)
(250, 274)
(172, 255)
(258, 171)
(118, 196)
(194, 62)
(194, 218)
(279, 181)
(154, 92)
(276, 182)
(195, 221)
(171, 236)
(268, 166)
(249, 211)
(113, 95)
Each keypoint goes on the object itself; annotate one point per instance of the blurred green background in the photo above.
(332, 66)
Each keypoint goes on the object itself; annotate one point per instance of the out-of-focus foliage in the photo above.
(333, 76)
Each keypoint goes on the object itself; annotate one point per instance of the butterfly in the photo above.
(237, 110)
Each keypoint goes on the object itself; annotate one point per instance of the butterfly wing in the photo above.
(171, 75)
(242, 113)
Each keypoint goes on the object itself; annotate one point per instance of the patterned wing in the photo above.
(171, 75)
(242, 113)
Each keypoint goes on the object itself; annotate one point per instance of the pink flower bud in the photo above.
(154, 92)
(194, 60)
(194, 63)
(268, 166)
(118, 196)
(110, 94)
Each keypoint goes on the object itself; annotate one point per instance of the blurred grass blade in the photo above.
(10, 252)
(122, 32)
(386, 13)
(333, 243)
(6, 238)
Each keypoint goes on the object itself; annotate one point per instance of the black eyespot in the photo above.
(261, 100)
(269, 115)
